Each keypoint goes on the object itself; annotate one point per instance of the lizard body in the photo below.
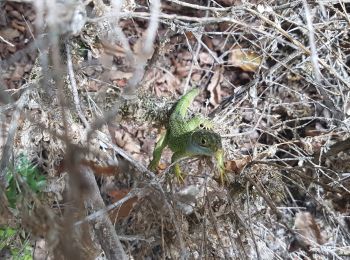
(188, 137)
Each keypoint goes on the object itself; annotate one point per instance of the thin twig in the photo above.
(8, 147)
(7, 42)
(103, 211)
(74, 88)
(314, 56)
(200, 7)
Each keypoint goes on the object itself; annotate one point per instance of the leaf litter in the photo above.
(281, 137)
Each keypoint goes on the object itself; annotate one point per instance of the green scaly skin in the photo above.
(189, 137)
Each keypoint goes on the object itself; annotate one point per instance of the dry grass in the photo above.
(275, 79)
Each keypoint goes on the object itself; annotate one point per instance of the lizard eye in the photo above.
(201, 125)
(203, 141)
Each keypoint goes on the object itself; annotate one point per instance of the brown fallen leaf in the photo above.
(208, 41)
(237, 165)
(245, 59)
(229, 2)
(127, 142)
(99, 170)
(112, 49)
(308, 232)
(9, 34)
(131, 144)
(118, 136)
(115, 75)
(205, 58)
(124, 210)
(18, 26)
(162, 166)
(190, 36)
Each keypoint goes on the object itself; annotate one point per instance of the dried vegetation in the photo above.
(86, 87)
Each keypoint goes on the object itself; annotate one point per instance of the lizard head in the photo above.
(204, 142)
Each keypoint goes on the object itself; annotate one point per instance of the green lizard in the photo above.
(188, 137)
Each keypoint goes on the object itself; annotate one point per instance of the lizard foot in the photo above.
(153, 166)
(206, 124)
(178, 173)
(223, 179)
(219, 156)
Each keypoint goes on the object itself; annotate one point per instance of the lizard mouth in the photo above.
(201, 150)
(200, 145)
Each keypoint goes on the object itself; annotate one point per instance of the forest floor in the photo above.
(86, 90)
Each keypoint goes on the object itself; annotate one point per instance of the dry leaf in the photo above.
(125, 209)
(237, 165)
(205, 58)
(108, 170)
(115, 75)
(214, 88)
(120, 78)
(131, 145)
(190, 36)
(18, 26)
(307, 232)
(244, 59)
(113, 49)
(208, 41)
(268, 153)
(161, 166)
(230, 2)
(92, 86)
(196, 77)
(126, 141)
(118, 135)
(9, 34)
(183, 70)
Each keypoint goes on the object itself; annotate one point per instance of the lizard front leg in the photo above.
(219, 157)
(158, 149)
(199, 122)
(174, 159)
